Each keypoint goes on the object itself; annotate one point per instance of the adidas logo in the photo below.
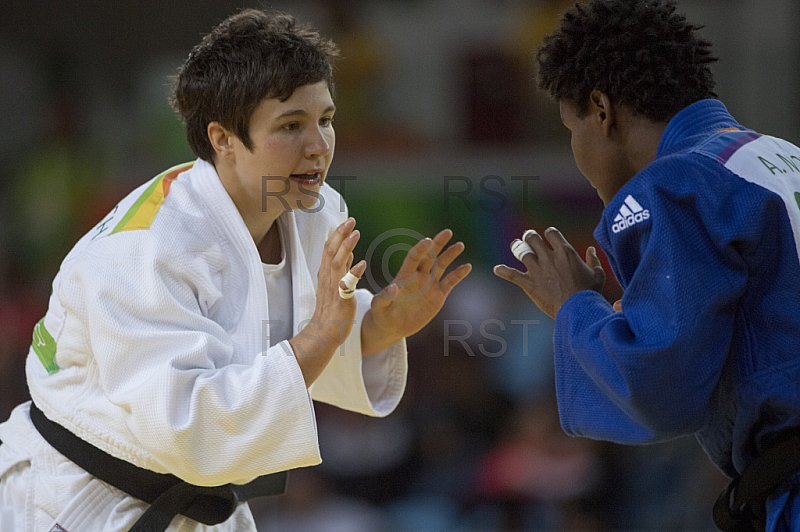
(630, 213)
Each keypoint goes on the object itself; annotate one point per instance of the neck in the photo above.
(259, 224)
(639, 138)
(250, 206)
(269, 248)
(643, 143)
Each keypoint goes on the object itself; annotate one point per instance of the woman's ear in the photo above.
(221, 140)
(601, 108)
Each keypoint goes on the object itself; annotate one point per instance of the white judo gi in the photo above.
(155, 349)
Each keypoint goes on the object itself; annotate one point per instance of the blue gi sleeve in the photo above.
(648, 373)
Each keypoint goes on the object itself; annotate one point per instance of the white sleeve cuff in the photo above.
(373, 385)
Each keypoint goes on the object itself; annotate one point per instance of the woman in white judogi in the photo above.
(189, 330)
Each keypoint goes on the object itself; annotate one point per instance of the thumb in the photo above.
(383, 299)
(359, 269)
(591, 258)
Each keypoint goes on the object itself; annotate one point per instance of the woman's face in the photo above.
(293, 145)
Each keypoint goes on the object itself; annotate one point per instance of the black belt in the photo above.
(741, 507)
(166, 494)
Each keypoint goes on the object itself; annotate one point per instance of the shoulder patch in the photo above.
(726, 143)
(143, 211)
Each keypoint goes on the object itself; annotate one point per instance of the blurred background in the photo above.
(439, 124)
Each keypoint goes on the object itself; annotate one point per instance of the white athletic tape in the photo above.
(350, 281)
(520, 249)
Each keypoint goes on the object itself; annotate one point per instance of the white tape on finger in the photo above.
(350, 281)
(520, 249)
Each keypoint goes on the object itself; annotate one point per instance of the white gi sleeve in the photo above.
(168, 370)
(370, 385)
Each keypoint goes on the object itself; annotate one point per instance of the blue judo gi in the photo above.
(706, 243)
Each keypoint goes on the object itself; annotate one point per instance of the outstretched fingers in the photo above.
(447, 258)
(441, 239)
(335, 240)
(536, 243)
(555, 238)
(343, 256)
(510, 274)
(423, 255)
(413, 258)
(453, 278)
(338, 255)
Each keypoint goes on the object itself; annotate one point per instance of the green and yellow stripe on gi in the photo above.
(144, 210)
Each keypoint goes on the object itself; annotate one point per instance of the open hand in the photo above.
(555, 272)
(417, 292)
(333, 316)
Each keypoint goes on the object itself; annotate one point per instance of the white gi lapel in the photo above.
(253, 324)
(304, 295)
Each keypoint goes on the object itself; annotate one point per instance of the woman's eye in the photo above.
(292, 126)
(328, 120)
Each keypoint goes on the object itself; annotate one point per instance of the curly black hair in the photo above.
(250, 56)
(638, 52)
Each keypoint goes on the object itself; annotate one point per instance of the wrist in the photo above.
(329, 333)
(374, 338)
(312, 353)
(309, 345)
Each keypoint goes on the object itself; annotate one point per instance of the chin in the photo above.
(308, 201)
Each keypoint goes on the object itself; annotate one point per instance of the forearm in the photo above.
(313, 354)
(373, 338)
(636, 376)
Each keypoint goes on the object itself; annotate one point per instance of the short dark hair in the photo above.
(638, 52)
(250, 56)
